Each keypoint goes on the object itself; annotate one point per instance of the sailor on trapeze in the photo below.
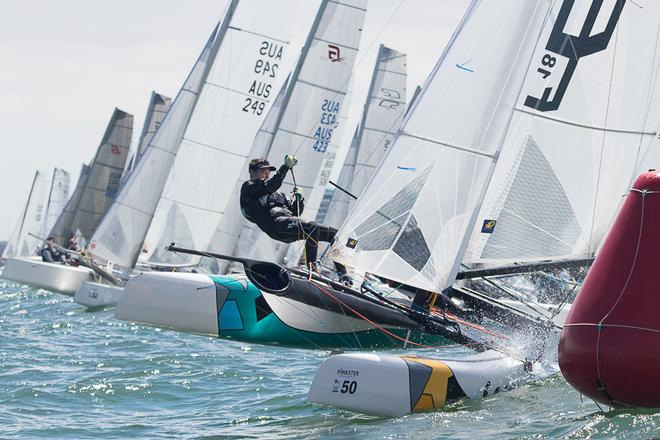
(278, 216)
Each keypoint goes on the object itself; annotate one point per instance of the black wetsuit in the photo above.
(277, 216)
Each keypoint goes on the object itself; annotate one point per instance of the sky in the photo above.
(65, 65)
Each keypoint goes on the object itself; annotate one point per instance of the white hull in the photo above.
(191, 303)
(50, 276)
(356, 381)
(181, 301)
(92, 294)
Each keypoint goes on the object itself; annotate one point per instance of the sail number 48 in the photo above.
(549, 61)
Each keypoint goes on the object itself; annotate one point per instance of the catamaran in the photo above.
(559, 140)
(95, 192)
(200, 143)
(39, 214)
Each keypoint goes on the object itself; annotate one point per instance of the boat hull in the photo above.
(92, 294)
(234, 308)
(50, 276)
(356, 381)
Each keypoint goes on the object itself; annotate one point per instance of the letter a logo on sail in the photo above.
(334, 54)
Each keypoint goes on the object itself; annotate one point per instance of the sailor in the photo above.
(277, 216)
(50, 253)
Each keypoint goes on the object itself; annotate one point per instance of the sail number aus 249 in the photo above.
(265, 68)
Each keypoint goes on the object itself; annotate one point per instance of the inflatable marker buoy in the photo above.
(609, 348)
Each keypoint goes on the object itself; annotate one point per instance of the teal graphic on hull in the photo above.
(244, 314)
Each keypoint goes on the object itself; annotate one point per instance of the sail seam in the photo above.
(392, 71)
(587, 126)
(110, 166)
(378, 130)
(448, 145)
(347, 5)
(339, 92)
(234, 28)
(211, 147)
(178, 202)
(235, 91)
(334, 43)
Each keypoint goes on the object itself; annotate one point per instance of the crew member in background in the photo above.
(50, 253)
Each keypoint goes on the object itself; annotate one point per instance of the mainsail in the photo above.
(104, 174)
(237, 92)
(21, 243)
(382, 115)
(120, 236)
(61, 231)
(156, 111)
(584, 126)
(57, 199)
(305, 125)
(424, 196)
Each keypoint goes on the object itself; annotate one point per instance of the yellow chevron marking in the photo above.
(435, 390)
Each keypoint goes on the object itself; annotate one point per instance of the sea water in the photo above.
(66, 372)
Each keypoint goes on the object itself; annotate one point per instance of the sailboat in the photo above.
(57, 199)
(158, 106)
(164, 299)
(21, 243)
(80, 217)
(203, 136)
(571, 140)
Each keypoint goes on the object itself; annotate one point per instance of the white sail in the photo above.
(584, 126)
(104, 174)
(236, 95)
(61, 230)
(21, 243)
(382, 115)
(309, 121)
(225, 236)
(159, 105)
(424, 197)
(156, 111)
(120, 235)
(57, 199)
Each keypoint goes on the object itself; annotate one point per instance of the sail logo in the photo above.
(488, 227)
(388, 101)
(571, 48)
(334, 53)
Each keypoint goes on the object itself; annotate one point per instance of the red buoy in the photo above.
(610, 345)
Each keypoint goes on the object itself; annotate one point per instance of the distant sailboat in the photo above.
(21, 243)
(156, 111)
(94, 194)
(104, 174)
(57, 199)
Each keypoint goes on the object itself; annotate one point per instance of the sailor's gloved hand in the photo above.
(290, 161)
(297, 193)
